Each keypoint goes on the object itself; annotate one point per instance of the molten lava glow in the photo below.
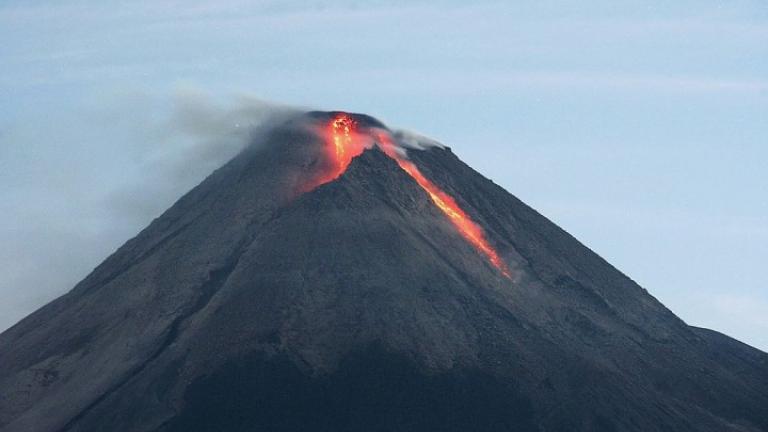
(341, 132)
(346, 143)
(463, 223)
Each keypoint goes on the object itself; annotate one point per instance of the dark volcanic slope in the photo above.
(357, 307)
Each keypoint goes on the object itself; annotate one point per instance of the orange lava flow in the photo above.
(471, 231)
(346, 143)
(341, 133)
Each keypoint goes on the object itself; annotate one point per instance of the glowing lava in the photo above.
(344, 142)
(341, 133)
(463, 223)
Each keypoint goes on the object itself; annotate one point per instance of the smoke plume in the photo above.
(200, 135)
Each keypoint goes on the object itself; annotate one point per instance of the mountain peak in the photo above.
(333, 278)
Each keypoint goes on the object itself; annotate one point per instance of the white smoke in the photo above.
(414, 140)
(201, 134)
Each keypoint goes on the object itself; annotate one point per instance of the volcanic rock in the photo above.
(357, 306)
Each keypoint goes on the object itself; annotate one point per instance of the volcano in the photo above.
(335, 277)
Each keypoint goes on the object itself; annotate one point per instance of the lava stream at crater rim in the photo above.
(343, 142)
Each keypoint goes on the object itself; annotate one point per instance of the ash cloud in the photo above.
(200, 135)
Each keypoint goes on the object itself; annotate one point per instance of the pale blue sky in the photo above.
(641, 127)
